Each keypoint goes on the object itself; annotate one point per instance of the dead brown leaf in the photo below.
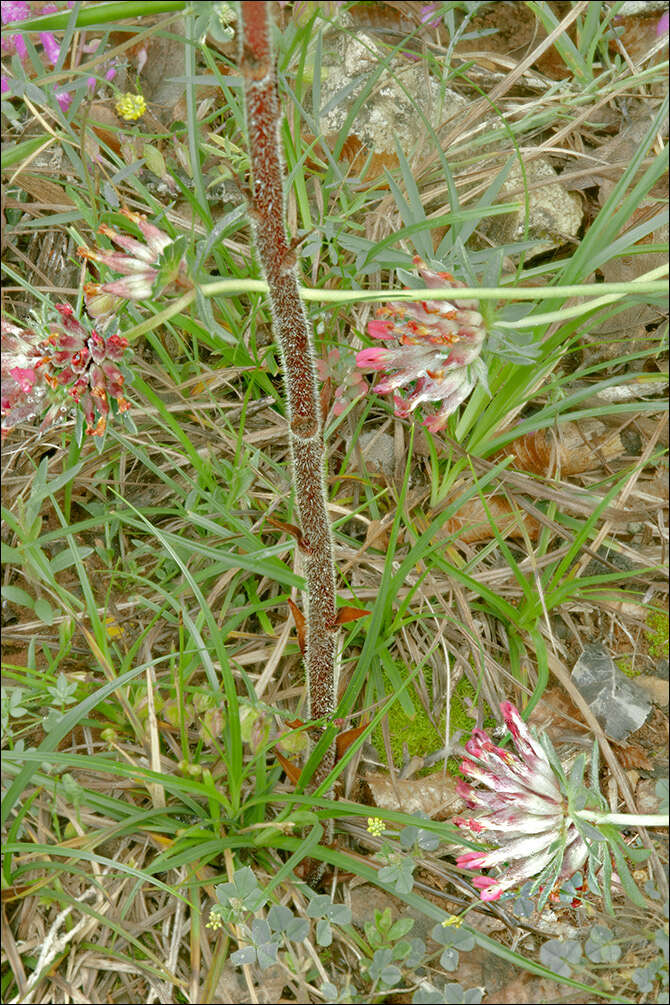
(435, 795)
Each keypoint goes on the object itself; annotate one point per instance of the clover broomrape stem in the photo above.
(293, 333)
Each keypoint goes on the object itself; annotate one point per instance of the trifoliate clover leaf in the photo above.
(242, 895)
(599, 946)
(322, 906)
(284, 922)
(645, 977)
(399, 875)
(560, 955)
(426, 840)
(382, 969)
(449, 935)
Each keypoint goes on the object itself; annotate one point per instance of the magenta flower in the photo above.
(430, 14)
(148, 267)
(525, 813)
(15, 13)
(68, 359)
(22, 394)
(436, 351)
(10, 13)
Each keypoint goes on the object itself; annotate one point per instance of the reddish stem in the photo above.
(294, 337)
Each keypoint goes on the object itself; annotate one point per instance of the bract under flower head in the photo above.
(435, 352)
(67, 358)
(525, 813)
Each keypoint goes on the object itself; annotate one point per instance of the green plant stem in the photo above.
(605, 293)
(625, 819)
(102, 13)
(647, 283)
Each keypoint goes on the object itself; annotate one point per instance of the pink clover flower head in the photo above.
(663, 25)
(68, 358)
(148, 266)
(15, 12)
(432, 352)
(11, 13)
(21, 393)
(525, 812)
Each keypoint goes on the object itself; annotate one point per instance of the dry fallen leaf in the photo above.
(434, 795)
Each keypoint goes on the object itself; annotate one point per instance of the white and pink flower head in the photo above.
(148, 266)
(525, 813)
(68, 360)
(433, 353)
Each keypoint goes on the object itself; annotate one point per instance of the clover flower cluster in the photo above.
(130, 106)
(147, 266)
(16, 11)
(436, 353)
(525, 813)
(70, 359)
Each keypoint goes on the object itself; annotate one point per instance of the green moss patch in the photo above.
(657, 622)
(419, 734)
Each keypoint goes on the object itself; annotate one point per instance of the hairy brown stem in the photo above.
(294, 337)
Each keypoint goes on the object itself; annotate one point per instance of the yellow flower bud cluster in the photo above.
(131, 106)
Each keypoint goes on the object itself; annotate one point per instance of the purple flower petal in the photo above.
(50, 46)
(11, 12)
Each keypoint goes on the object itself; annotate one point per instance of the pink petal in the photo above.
(380, 329)
(25, 378)
(372, 359)
(50, 46)
(138, 287)
(64, 100)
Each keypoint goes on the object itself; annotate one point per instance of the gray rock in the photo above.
(633, 7)
(554, 214)
(392, 111)
(617, 703)
(378, 451)
(662, 668)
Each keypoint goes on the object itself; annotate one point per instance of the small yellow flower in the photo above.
(215, 921)
(131, 106)
(113, 628)
(375, 826)
(452, 921)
